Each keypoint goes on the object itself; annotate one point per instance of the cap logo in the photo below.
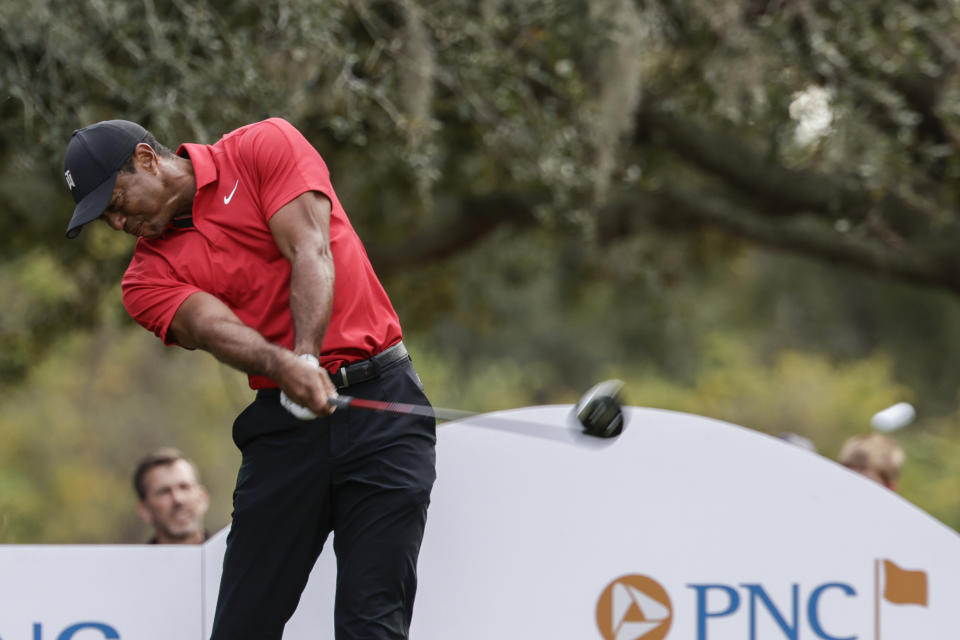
(69, 177)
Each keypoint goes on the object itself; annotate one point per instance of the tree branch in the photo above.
(779, 190)
(934, 262)
(477, 218)
(930, 261)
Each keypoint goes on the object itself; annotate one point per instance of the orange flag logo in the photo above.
(903, 586)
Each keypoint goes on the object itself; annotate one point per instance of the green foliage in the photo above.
(34, 286)
(73, 431)
(931, 475)
(801, 393)
(420, 107)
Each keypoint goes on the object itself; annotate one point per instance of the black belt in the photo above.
(369, 369)
(356, 372)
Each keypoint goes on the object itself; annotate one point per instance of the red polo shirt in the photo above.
(242, 180)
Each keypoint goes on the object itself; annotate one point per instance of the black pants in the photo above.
(364, 475)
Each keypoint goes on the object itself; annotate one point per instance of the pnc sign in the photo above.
(637, 607)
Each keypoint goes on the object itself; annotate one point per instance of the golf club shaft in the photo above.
(402, 408)
(544, 431)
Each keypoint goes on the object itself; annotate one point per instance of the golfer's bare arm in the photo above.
(301, 229)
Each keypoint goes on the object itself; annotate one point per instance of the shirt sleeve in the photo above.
(285, 163)
(152, 294)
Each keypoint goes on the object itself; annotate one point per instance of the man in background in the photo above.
(875, 455)
(171, 498)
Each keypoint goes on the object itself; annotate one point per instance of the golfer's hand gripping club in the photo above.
(298, 410)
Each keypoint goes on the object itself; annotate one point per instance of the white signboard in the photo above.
(97, 592)
(687, 529)
(684, 528)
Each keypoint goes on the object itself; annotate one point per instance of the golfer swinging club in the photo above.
(244, 251)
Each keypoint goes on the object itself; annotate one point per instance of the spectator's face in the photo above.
(175, 503)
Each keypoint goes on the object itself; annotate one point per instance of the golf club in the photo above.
(596, 417)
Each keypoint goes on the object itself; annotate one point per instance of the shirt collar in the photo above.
(204, 172)
(204, 168)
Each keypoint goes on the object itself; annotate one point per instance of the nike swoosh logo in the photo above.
(227, 199)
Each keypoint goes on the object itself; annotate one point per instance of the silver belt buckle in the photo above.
(343, 378)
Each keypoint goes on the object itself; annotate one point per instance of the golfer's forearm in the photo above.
(204, 322)
(311, 298)
(243, 348)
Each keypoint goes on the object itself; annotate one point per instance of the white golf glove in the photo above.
(297, 410)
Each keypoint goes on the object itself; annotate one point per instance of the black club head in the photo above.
(599, 411)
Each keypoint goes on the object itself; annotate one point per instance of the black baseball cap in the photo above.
(94, 157)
